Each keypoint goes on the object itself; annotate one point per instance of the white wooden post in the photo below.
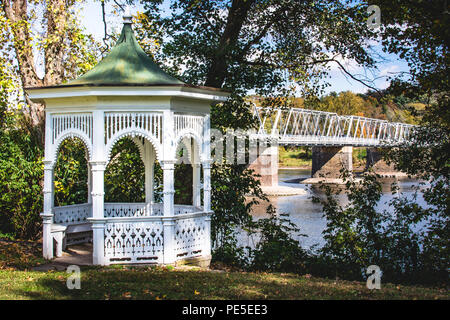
(196, 187)
(89, 184)
(206, 162)
(206, 186)
(207, 244)
(47, 214)
(168, 166)
(168, 219)
(98, 165)
(98, 169)
(149, 163)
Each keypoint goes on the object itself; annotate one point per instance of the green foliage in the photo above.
(294, 156)
(345, 103)
(408, 242)
(276, 249)
(231, 184)
(124, 175)
(21, 170)
(257, 45)
(183, 183)
(71, 173)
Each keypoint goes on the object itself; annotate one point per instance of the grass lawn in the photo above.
(301, 157)
(17, 281)
(167, 283)
(294, 157)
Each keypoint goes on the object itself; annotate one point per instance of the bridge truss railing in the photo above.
(312, 127)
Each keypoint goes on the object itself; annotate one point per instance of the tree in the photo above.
(418, 32)
(345, 103)
(59, 51)
(271, 47)
(32, 56)
(258, 45)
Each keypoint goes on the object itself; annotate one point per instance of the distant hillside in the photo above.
(388, 107)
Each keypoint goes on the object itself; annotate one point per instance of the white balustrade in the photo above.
(112, 210)
(134, 241)
(141, 240)
(190, 235)
(72, 214)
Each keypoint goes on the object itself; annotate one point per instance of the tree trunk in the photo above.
(56, 15)
(218, 69)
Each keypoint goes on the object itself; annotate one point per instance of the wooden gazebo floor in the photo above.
(79, 254)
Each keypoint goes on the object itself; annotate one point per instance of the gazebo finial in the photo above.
(127, 15)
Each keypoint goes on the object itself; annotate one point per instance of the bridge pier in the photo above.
(327, 163)
(265, 163)
(375, 161)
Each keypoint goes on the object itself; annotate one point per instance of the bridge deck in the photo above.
(304, 127)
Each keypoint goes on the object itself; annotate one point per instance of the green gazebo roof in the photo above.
(126, 64)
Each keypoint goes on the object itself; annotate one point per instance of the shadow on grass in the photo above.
(159, 284)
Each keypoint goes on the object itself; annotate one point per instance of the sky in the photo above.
(91, 19)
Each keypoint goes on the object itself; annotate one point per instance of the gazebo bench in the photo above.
(61, 232)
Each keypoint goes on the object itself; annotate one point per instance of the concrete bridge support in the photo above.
(378, 164)
(328, 161)
(264, 160)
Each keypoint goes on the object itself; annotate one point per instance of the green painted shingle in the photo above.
(126, 64)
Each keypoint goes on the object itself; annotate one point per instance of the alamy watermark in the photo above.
(374, 279)
(374, 20)
(74, 280)
(236, 147)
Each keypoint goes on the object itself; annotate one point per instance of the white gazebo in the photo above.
(128, 95)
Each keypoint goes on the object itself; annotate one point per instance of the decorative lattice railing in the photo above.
(112, 210)
(190, 235)
(188, 123)
(72, 214)
(72, 123)
(133, 232)
(141, 239)
(134, 240)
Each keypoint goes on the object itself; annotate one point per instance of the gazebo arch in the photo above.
(128, 95)
(133, 134)
(68, 135)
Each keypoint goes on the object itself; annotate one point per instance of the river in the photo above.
(307, 215)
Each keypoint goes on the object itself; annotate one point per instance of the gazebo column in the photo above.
(47, 214)
(98, 170)
(206, 185)
(207, 206)
(206, 163)
(196, 187)
(168, 219)
(98, 165)
(149, 164)
(89, 183)
(168, 167)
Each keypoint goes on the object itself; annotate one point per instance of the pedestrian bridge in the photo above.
(332, 138)
(302, 127)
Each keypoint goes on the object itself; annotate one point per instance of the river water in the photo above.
(307, 215)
